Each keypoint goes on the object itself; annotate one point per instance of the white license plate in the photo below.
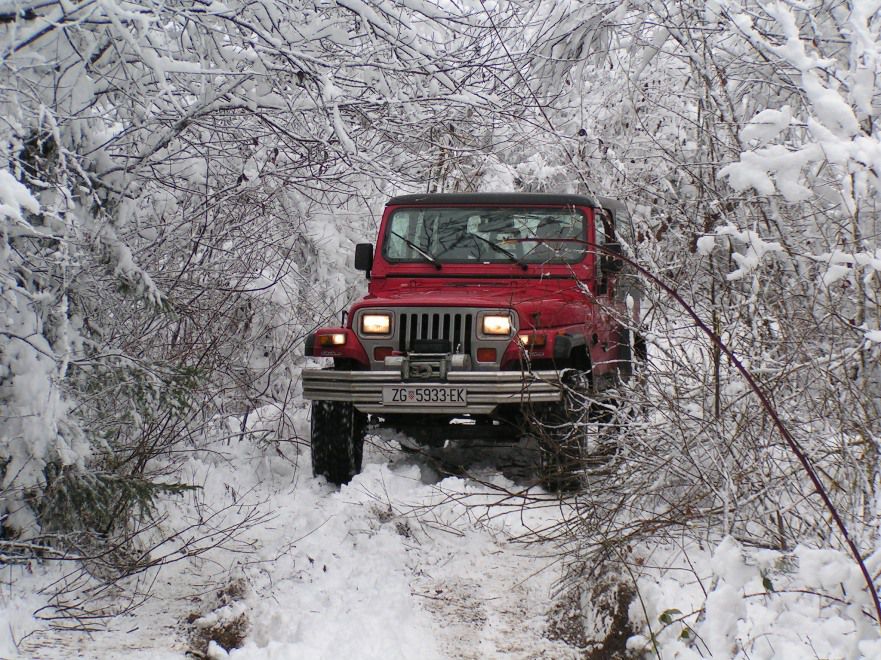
(424, 395)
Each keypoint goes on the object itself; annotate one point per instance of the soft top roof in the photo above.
(491, 199)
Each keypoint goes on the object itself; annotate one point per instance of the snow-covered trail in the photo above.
(400, 563)
(403, 563)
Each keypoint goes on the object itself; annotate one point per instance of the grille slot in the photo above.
(453, 327)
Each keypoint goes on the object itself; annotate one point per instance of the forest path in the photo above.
(403, 562)
(488, 595)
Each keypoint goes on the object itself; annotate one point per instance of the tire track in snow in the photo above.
(488, 596)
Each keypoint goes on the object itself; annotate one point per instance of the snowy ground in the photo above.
(406, 563)
(400, 563)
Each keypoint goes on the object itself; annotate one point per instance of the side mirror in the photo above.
(364, 257)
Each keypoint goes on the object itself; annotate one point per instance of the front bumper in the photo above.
(485, 390)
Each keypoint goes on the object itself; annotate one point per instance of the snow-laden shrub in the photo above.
(732, 601)
(179, 211)
(745, 138)
(35, 349)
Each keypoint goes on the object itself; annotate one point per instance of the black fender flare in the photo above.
(566, 344)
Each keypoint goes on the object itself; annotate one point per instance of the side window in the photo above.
(605, 231)
(624, 228)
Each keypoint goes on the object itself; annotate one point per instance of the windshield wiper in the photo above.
(498, 248)
(428, 256)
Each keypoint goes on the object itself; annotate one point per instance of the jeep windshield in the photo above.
(485, 235)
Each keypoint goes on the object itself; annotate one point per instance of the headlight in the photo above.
(376, 324)
(494, 324)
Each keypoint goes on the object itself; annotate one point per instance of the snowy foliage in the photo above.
(35, 350)
(183, 187)
(745, 136)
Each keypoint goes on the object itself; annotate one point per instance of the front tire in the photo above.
(562, 436)
(338, 430)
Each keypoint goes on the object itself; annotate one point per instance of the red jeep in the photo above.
(486, 314)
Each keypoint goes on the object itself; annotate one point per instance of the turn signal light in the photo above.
(336, 339)
(533, 341)
(486, 355)
(380, 353)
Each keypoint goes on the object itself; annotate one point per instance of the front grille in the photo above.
(453, 327)
(420, 330)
